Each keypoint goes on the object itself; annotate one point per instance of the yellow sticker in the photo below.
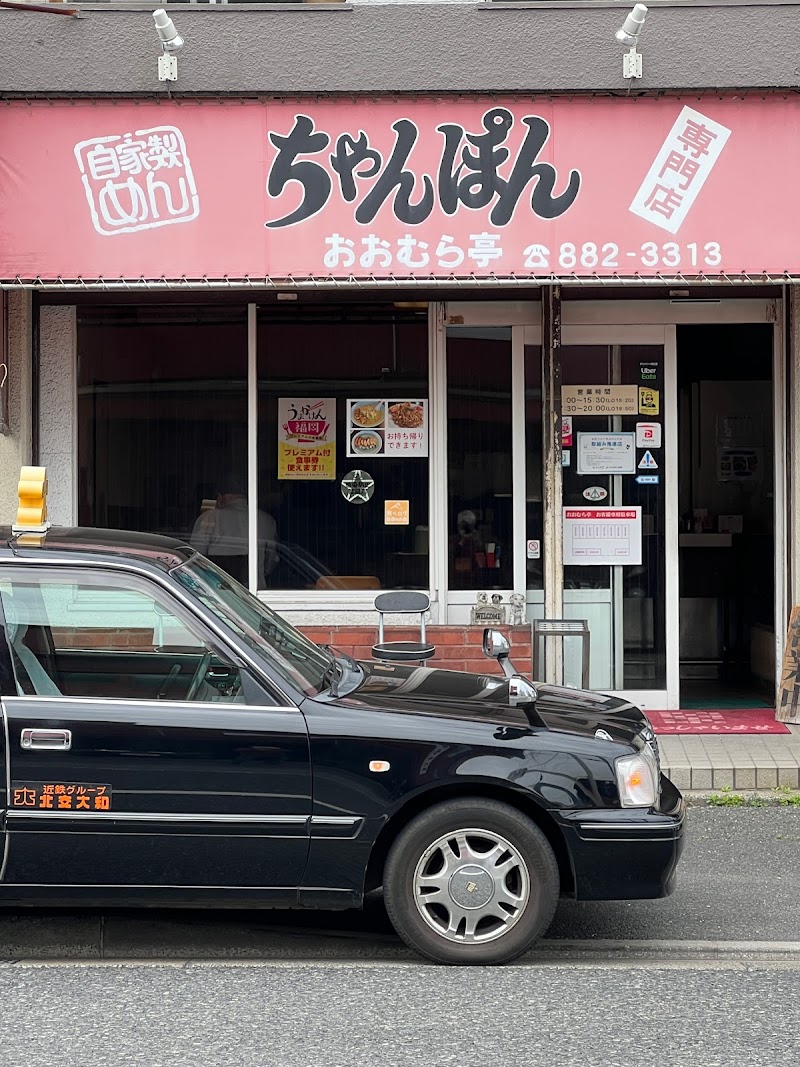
(648, 401)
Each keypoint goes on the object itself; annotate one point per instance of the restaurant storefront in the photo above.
(441, 345)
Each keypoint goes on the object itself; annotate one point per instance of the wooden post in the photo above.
(788, 707)
(551, 451)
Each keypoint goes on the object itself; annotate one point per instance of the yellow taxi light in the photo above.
(32, 495)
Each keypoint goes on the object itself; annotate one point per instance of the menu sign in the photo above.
(387, 428)
(306, 439)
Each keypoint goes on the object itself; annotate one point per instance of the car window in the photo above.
(111, 636)
(296, 659)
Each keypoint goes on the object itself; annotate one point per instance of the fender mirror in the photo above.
(496, 646)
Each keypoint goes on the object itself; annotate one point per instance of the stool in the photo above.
(403, 603)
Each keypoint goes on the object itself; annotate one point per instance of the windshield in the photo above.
(296, 659)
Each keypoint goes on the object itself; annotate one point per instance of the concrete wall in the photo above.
(58, 445)
(397, 47)
(15, 447)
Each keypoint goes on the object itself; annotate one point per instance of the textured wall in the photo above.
(15, 446)
(57, 411)
(429, 47)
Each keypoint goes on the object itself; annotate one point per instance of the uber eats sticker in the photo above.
(60, 796)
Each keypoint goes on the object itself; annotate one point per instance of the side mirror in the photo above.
(496, 646)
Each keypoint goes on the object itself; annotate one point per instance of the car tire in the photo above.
(471, 881)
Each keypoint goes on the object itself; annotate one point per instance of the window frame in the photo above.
(222, 643)
(337, 602)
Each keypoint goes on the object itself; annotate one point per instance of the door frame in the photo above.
(683, 310)
(524, 319)
(626, 322)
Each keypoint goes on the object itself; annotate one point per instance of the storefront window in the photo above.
(343, 442)
(479, 457)
(162, 424)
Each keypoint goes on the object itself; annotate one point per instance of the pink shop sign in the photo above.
(415, 188)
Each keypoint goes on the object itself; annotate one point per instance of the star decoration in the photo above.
(357, 487)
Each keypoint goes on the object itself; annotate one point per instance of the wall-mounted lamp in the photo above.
(629, 34)
(171, 44)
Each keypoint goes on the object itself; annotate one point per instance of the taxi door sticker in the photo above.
(60, 796)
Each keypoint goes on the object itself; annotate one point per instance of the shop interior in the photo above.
(726, 542)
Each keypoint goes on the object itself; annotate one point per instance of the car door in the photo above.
(142, 752)
(5, 675)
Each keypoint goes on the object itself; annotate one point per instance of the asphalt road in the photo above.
(406, 1015)
(738, 882)
(647, 982)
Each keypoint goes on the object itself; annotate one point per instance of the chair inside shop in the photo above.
(403, 602)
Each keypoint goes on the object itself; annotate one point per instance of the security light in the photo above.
(171, 44)
(628, 34)
(632, 26)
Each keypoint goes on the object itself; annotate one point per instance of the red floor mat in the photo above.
(738, 721)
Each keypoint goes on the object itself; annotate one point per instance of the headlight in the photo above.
(638, 780)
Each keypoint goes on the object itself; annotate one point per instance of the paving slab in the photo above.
(702, 762)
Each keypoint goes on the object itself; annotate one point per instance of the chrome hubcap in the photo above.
(471, 886)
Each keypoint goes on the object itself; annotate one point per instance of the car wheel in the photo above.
(471, 882)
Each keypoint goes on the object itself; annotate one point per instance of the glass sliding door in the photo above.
(619, 507)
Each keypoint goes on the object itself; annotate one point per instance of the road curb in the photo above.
(609, 952)
(740, 798)
(681, 949)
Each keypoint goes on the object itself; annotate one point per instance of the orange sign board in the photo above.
(396, 512)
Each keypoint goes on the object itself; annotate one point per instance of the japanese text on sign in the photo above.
(606, 453)
(599, 400)
(603, 536)
(306, 439)
(60, 796)
(138, 181)
(680, 169)
(468, 174)
(387, 428)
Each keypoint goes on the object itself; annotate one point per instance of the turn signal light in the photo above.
(637, 779)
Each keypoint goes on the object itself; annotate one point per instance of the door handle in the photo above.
(57, 740)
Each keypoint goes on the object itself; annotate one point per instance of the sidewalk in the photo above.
(738, 761)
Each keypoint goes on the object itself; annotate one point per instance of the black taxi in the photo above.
(167, 739)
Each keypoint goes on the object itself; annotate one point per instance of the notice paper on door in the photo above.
(606, 537)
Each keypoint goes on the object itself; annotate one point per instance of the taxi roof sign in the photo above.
(32, 495)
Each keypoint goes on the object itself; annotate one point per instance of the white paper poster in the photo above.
(606, 453)
(596, 537)
(387, 428)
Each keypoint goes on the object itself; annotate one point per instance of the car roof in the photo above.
(84, 544)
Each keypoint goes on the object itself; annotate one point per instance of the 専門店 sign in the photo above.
(306, 439)
(410, 188)
(603, 536)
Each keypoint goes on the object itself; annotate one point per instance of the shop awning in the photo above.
(397, 193)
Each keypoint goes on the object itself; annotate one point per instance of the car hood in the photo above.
(427, 690)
